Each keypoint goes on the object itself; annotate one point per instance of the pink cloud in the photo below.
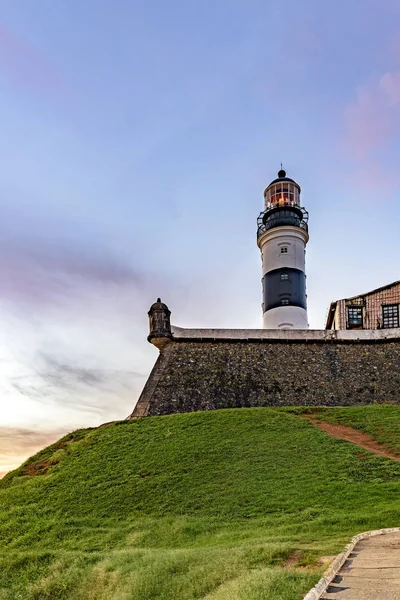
(24, 65)
(373, 119)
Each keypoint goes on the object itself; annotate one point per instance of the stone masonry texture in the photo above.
(206, 375)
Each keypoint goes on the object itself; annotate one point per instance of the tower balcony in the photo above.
(277, 216)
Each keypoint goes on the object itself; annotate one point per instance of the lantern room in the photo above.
(283, 191)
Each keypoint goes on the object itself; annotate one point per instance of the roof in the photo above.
(159, 306)
(279, 179)
(282, 177)
(380, 289)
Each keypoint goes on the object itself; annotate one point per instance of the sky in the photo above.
(136, 141)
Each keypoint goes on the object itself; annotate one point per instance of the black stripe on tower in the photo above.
(284, 287)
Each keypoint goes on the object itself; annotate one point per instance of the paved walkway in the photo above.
(371, 572)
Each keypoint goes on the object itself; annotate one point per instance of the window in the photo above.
(354, 317)
(284, 276)
(390, 315)
(285, 301)
(282, 193)
(284, 250)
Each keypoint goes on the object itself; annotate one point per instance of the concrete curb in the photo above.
(316, 592)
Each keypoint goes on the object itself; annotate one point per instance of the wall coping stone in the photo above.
(180, 334)
(320, 588)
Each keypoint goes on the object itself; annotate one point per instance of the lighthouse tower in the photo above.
(282, 235)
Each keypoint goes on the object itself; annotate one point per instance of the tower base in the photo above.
(285, 317)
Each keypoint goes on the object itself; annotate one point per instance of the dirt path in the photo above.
(354, 436)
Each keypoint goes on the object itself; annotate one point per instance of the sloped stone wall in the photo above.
(216, 373)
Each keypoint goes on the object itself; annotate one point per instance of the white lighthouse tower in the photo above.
(282, 236)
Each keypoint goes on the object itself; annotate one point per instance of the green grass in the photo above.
(230, 504)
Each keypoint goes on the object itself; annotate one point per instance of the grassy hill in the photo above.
(232, 504)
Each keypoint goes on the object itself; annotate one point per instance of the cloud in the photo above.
(68, 325)
(66, 375)
(61, 382)
(70, 376)
(371, 129)
(25, 65)
(373, 119)
(18, 444)
(34, 273)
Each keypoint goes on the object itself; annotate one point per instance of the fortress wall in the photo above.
(210, 369)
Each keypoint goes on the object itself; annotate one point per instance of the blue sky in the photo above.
(137, 139)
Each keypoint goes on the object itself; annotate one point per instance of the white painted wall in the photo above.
(271, 243)
(285, 317)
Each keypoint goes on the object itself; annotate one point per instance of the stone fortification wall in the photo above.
(210, 369)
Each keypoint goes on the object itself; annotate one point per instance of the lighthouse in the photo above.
(282, 235)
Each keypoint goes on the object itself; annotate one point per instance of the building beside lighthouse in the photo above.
(282, 235)
(379, 309)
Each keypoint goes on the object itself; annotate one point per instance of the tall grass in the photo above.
(224, 504)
